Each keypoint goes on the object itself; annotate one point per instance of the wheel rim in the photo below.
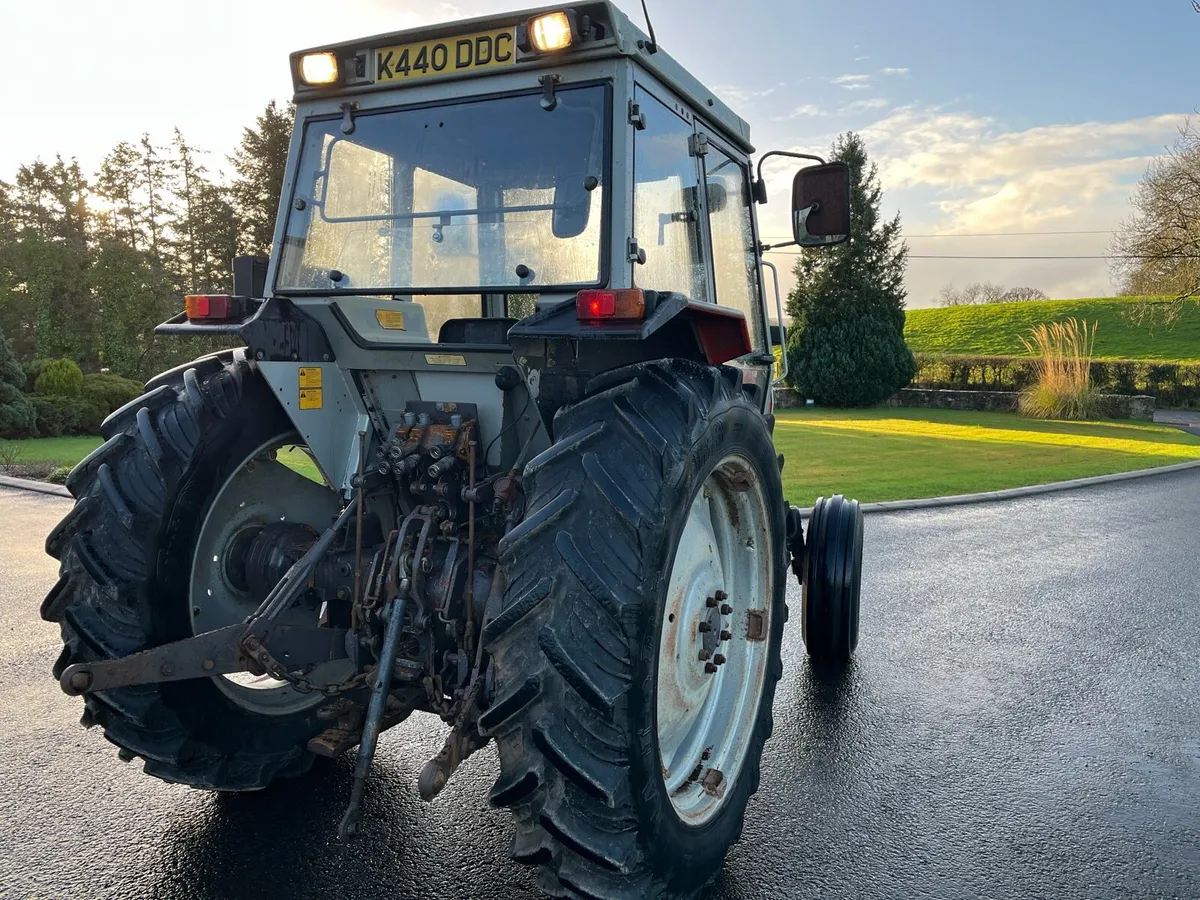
(705, 719)
(260, 491)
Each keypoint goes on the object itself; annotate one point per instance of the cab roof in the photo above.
(621, 39)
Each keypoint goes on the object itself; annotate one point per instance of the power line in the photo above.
(797, 252)
(978, 234)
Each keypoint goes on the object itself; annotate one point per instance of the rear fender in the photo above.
(558, 354)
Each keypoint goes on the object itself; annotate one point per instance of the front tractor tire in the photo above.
(638, 647)
(833, 580)
(133, 575)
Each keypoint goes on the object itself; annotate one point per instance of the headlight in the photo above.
(552, 31)
(318, 68)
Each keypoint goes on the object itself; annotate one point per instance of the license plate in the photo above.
(447, 56)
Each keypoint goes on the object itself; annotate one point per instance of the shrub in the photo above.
(1063, 389)
(58, 415)
(32, 370)
(9, 454)
(850, 362)
(1173, 385)
(16, 414)
(59, 378)
(59, 474)
(108, 392)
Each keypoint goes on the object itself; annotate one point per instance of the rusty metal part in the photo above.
(216, 652)
(756, 625)
(714, 783)
(333, 742)
(461, 742)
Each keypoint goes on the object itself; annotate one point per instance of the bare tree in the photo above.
(1021, 294)
(980, 292)
(1157, 251)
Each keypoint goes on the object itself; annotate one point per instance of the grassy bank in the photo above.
(893, 454)
(996, 329)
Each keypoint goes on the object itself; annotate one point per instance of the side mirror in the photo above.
(250, 276)
(821, 205)
(777, 335)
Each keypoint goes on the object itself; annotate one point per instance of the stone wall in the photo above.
(1119, 406)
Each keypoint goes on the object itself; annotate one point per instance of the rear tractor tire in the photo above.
(833, 579)
(638, 647)
(181, 469)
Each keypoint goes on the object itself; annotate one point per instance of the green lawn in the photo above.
(66, 451)
(996, 329)
(894, 454)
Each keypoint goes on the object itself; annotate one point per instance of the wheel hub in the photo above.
(712, 664)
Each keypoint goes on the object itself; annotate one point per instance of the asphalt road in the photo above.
(1021, 721)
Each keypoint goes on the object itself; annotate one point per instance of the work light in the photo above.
(552, 31)
(318, 68)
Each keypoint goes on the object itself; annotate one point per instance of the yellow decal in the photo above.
(446, 56)
(391, 319)
(310, 398)
(445, 359)
(310, 376)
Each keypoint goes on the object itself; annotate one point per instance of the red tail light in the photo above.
(627, 304)
(215, 307)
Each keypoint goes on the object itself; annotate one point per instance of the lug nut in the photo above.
(725, 636)
(722, 596)
(719, 659)
(704, 654)
(726, 609)
(711, 602)
(709, 668)
(704, 627)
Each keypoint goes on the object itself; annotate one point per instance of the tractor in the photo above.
(495, 445)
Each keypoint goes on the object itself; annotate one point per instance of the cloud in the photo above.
(953, 172)
(862, 106)
(804, 110)
(853, 82)
(890, 71)
(739, 96)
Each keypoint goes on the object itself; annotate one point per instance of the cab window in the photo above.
(731, 233)
(666, 205)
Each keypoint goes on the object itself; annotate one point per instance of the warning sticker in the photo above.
(391, 319)
(310, 398)
(310, 376)
(445, 359)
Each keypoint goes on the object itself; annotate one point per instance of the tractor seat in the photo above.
(475, 331)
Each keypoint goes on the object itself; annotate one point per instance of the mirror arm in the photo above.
(763, 248)
(760, 186)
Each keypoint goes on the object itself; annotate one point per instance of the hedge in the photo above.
(1172, 385)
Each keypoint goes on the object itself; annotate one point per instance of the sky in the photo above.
(986, 118)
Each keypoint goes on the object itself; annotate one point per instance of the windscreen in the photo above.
(481, 194)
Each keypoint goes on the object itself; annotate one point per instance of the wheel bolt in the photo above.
(704, 626)
(709, 668)
(726, 636)
(719, 659)
(704, 654)
(711, 602)
(726, 609)
(721, 596)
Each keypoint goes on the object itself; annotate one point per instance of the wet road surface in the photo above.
(1022, 720)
